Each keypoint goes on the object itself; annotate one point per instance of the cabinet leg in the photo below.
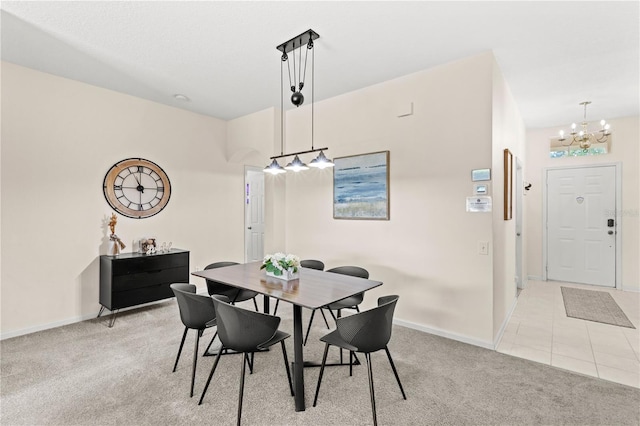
(101, 311)
(114, 314)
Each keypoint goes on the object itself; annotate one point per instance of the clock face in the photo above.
(137, 188)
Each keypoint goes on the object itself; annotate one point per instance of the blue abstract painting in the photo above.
(361, 186)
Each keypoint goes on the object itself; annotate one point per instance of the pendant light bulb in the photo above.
(296, 165)
(274, 168)
(321, 162)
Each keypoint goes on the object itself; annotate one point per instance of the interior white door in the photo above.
(254, 215)
(581, 225)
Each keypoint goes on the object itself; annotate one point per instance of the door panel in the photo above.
(579, 246)
(254, 215)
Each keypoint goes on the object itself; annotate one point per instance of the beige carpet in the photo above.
(88, 374)
(591, 305)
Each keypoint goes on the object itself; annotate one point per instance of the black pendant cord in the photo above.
(306, 54)
(281, 110)
(295, 82)
(313, 86)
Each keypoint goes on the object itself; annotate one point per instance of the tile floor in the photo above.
(539, 330)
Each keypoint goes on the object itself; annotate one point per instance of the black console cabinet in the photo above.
(130, 279)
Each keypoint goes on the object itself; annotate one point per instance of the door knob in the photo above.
(610, 232)
(518, 234)
(249, 227)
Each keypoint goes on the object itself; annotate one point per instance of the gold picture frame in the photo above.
(508, 185)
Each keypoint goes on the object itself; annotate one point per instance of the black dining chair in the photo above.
(197, 313)
(350, 302)
(234, 294)
(311, 264)
(365, 332)
(246, 332)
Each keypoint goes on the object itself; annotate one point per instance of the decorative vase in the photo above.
(287, 275)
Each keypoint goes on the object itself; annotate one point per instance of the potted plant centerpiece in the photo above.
(280, 265)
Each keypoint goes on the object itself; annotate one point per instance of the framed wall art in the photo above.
(361, 186)
(508, 185)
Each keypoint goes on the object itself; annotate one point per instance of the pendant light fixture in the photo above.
(296, 84)
(584, 137)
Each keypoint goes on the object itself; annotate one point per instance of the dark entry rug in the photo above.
(592, 305)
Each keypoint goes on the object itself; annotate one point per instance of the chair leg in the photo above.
(393, 367)
(242, 372)
(255, 304)
(195, 361)
(276, 308)
(249, 362)
(350, 363)
(333, 315)
(340, 316)
(209, 345)
(313, 312)
(357, 309)
(373, 397)
(286, 365)
(213, 369)
(324, 361)
(184, 336)
(325, 318)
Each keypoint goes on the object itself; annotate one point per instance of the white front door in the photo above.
(254, 215)
(581, 225)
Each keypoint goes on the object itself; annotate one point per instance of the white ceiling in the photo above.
(223, 56)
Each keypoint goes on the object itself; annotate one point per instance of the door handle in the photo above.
(249, 227)
(518, 234)
(610, 232)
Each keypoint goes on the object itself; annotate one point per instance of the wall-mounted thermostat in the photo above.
(481, 189)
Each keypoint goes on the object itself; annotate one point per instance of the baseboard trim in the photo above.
(498, 337)
(443, 333)
(534, 278)
(73, 320)
(631, 290)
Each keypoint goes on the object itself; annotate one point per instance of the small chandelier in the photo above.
(296, 84)
(584, 138)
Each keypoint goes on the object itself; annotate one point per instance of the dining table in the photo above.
(313, 289)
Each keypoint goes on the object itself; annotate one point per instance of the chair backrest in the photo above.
(196, 310)
(242, 330)
(354, 271)
(370, 330)
(312, 264)
(215, 287)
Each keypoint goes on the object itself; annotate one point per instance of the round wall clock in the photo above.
(137, 188)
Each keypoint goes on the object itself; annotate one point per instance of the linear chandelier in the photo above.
(584, 138)
(296, 84)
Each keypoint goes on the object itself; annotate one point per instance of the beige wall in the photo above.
(428, 251)
(59, 138)
(463, 116)
(624, 150)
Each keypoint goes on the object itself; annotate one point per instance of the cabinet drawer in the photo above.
(149, 263)
(124, 299)
(150, 278)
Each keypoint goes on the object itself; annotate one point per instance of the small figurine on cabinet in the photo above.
(115, 243)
